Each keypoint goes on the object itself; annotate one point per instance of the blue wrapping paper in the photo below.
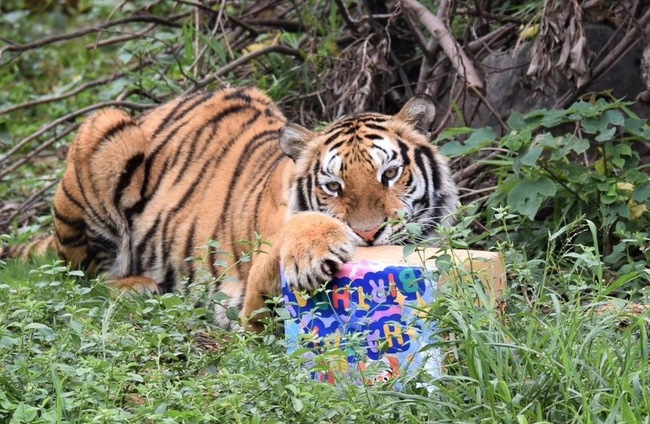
(369, 324)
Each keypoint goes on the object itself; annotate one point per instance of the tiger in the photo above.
(142, 197)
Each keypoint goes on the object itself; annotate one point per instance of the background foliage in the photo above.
(562, 192)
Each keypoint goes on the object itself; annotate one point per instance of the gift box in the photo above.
(371, 323)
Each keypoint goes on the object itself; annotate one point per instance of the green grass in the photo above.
(69, 352)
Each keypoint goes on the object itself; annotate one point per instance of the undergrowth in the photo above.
(69, 352)
(565, 202)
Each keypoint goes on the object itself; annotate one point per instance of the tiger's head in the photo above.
(373, 172)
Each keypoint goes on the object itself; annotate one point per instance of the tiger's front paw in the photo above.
(314, 248)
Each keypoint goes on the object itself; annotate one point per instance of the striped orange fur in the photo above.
(142, 195)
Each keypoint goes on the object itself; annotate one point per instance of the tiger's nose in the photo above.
(367, 235)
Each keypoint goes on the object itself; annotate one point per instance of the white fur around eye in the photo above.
(332, 187)
(390, 180)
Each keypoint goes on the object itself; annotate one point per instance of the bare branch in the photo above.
(27, 203)
(122, 38)
(50, 99)
(69, 116)
(18, 48)
(459, 60)
(41, 147)
(240, 61)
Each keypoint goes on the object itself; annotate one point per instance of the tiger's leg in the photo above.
(38, 247)
(311, 247)
(139, 284)
(99, 194)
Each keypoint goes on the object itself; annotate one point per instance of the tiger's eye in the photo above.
(333, 186)
(390, 173)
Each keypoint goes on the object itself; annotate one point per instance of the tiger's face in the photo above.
(376, 173)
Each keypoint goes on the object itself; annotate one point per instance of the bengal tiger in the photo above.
(142, 195)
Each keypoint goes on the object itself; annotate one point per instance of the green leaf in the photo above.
(594, 124)
(479, 139)
(282, 313)
(607, 134)
(642, 192)
(413, 228)
(614, 117)
(170, 300)
(516, 121)
(408, 249)
(24, 413)
(529, 158)
(527, 196)
(553, 118)
(219, 297)
(232, 314)
(297, 404)
(13, 17)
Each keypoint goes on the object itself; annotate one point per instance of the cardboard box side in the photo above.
(487, 266)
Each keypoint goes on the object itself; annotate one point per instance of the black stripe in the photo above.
(242, 166)
(250, 121)
(371, 117)
(133, 210)
(374, 126)
(404, 150)
(70, 197)
(140, 248)
(167, 237)
(76, 224)
(177, 114)
(425, 199)
(435, 172)
(337, 145)
(169, 281)
(256, 142)
(262, 191)
(149, 162)
(187, 252)
(333, 136)
(440, 199)
(132, 165)
(188, 157)
(99, 240)
(119, 127)
(214, 122)
(374, 136)
(77, 240)
(374, 146)
(89, 208)
(301, 201)
(240, 94)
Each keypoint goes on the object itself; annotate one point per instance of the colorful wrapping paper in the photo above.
(369, 324)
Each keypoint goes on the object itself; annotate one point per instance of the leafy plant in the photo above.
(556, 167)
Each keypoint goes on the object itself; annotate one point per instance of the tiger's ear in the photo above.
(419, 111)
(294, 138)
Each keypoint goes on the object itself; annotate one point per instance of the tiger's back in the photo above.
(145, 195)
